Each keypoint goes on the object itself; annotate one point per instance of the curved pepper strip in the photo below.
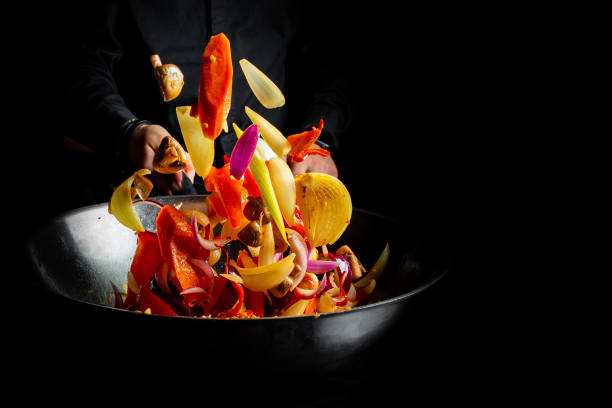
(120, 203)
(148, 300)
(147, 258)
(254, 301)
(235, 309)
(301, 144)
(177, 245)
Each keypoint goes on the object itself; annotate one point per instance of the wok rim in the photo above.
(437, 276)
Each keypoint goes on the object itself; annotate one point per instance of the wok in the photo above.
(79, 253)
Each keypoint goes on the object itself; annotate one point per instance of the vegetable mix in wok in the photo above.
(281, 224)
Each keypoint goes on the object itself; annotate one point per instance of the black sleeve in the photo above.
(322, 51)
(95, 96)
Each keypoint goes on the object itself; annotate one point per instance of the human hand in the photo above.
(315, 163)
(141, 149)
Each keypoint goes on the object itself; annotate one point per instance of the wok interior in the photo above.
(79, 254)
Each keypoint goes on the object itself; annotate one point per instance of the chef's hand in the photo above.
(315, 164)
(141, 149)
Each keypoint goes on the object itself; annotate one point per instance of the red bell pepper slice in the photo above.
(218, 286)
(148, 300)
(177, 245)
(231, 193)
(233, 311)
(254, 301)
(147, 258)
(215, 92)
(250, 184)
(301, 144)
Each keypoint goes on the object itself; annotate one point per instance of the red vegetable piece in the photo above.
(232, 195)
(177, 245)
(147, 258)
(215, 91)
(148, 300)
(233, 311)
(218, 286)
(301, 144)
(250, 184)
(254, 301)
(311, 307)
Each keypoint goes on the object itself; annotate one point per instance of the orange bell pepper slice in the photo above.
(215, 92)
(177, 245)
(230, 193)
(301, 144)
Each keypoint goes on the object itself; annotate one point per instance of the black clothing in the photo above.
(115, 80)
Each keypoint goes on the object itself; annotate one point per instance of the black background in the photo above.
(423, 110)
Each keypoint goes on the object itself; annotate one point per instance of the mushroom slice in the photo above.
(356, 267)
(170, 157)
(169, 78)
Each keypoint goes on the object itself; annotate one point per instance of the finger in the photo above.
(298, 168)
(190, 170)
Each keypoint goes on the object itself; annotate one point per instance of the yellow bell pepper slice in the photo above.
(296, 309)
(120, 204)
(266, 277)
(201, 149)
(376, 270)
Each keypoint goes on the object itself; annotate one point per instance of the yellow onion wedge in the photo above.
(326, 207)
(283, 183)
(273, 137)
(120, 204)
(296, 309)
(265, 90)
(201, 149)
(265, 277)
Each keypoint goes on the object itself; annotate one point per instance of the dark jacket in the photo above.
(289, 42)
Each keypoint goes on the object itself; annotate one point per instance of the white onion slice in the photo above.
(265, 90)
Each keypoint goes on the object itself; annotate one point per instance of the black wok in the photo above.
(78, 254)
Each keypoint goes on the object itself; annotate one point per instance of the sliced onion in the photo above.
(304, 293)
(338, 296)
(323, 286)
(195, 295)
(320, 266)
(192, 290)
(243, 151)
(298, 246)
(346, 272)
(210, 245)
(264, 89)
(204, 267)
